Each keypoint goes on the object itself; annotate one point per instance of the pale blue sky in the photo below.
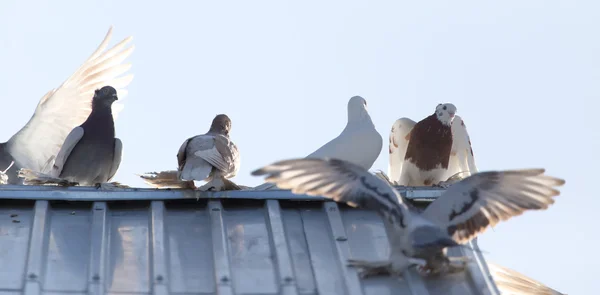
(523, 74)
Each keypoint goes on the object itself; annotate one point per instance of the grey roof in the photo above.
(141, 241)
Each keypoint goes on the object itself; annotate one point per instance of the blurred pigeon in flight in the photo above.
(463, 211)
(66, 107)
(212, 157)
(90, 154)
(359, 142)
(431, 151)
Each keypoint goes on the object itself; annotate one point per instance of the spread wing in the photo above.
(66, 107)
(399, 138)
(116, 158)
(65, 150)
(462, 159)
(217, 150)
(511, 282)
(338, 180)
(484, 199)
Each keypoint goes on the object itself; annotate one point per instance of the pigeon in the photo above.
(211, 157)
(463, 211)
(511, 282)
(91, 154)
(64, 108)
(359, 142)
(436, 151)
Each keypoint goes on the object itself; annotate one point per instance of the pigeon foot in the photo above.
(371, 268)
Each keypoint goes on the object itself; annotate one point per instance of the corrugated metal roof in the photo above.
(133, 241)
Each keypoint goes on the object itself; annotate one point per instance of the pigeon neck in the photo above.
(101, 119)
(358, 117)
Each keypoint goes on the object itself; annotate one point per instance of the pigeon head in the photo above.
(445, 113)
(105, 96)
(221, 124)
(357, 109)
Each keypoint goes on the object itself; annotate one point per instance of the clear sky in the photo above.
(523, 74)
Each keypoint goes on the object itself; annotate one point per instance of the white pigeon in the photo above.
(511, 282)
(432, 151)
(359, 142)
(66, 107)
(463, 211)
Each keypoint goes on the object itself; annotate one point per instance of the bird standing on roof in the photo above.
(91, 154)
(64, 108)
(463, 211)
(211, 157)
(431, 151)
(359, 142)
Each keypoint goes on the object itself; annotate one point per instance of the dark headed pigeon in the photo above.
(64, 108)
(211, 157)
(91, 154)
(463, 211)
(432, 151)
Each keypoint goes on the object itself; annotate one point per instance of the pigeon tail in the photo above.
(31, 177)
(166, 179)
(229, 185)
(220, 183)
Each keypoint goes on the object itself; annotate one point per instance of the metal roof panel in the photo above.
(231, 245)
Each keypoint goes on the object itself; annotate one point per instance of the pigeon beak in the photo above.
(115, 97)
(451, 114)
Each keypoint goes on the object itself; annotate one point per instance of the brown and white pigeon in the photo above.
(431, 151)
(211, 157)
(460, 214)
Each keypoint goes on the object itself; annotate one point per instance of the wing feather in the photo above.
(64, 108)
(462, 159)
(116, 158)
(511, 282)
(339, 180)
(221, 153)
(484, 199)
(65, 150)
(398, 141)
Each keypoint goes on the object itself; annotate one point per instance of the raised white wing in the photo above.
(511, 282)
(116, 158)
(65, 150)
(484, 199)
(66, 107)
(462, 159)
(399, 138)
(341, 181)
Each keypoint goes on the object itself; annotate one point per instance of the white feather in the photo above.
(64, 108)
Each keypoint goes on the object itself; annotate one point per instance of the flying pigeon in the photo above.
(464, 210)
(91, 154)
(432, 151)
(359, 142)
(511, 282)
(64, 108)
(212, 157)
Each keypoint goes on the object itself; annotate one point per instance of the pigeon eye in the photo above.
(444, 108)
